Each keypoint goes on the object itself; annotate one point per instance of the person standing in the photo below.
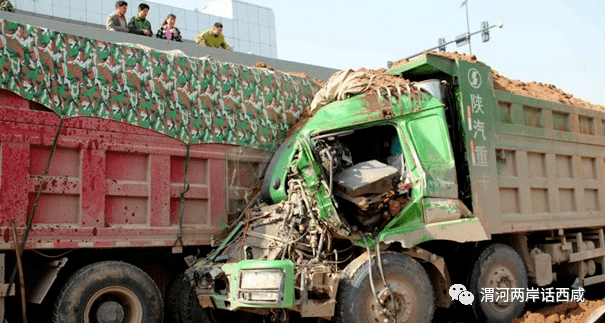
(117, 20)
(168, 30)
(6, 6)
(139, 24)
(213, 37)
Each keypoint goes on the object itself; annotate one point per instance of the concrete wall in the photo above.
(248, 28)
(188, 47)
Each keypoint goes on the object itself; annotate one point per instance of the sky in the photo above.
(560, 42)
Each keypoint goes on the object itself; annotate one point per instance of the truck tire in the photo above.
(109, 292)
(408, 281)
(183, 306)
(497, 266)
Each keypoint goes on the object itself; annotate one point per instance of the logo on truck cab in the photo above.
(474, 78)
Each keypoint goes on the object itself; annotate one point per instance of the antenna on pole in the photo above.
(462, 39)
(468, 28)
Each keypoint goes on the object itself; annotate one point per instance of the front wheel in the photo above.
(408, 297)
(109, 292)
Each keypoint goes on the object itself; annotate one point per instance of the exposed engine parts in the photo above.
(369, 193)
(364, 194)
(290, 230)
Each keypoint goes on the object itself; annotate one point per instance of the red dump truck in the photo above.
(105, 183)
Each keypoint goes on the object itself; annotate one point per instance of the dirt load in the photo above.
(573, 312)
(536, 90)
(318, 82)
(263, 65)
(385, 80)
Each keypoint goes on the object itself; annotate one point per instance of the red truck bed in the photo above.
(109, 184)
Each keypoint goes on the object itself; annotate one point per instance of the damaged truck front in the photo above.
(367, 179)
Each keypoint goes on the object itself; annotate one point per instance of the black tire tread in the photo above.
(173, 300)
(346, 294)
(183, 306)
(486, 253)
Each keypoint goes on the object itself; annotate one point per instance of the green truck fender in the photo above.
(462, 230)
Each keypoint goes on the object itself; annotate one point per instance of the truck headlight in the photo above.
(261, 279)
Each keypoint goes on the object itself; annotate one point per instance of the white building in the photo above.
(248, 28)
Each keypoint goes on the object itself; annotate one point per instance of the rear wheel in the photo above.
(499, 267)
(109, 292)
(409, 295)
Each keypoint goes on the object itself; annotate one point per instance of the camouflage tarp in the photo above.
(197, 100)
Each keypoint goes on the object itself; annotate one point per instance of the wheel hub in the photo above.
(110, 312)
(501, 277)
(113, 304)
(398, 305)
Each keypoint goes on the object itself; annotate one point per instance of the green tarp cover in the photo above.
(196, 100)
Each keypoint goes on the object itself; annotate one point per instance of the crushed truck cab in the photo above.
(364, 172)
(404, 183)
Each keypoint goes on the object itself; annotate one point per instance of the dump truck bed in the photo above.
(550, 164)
(109, 184)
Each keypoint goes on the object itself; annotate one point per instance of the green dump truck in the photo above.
(436, 181)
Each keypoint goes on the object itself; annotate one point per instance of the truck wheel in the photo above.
(498, 266)
(109, 292)
(183, 306)
(409, 283)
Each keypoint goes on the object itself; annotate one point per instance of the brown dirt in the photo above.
(263, 65)
(400, 62)
(540, 91)
(299, 74)
(318, 82)
(385, 80)
(460, 56)
(572, 312)
(536, 90)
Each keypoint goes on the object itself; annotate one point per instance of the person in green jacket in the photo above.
(139, 24)
(213, 37)
(6, 6)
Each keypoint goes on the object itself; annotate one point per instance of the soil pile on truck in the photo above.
(532, 89)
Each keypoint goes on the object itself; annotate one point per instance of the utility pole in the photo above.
(468, 28)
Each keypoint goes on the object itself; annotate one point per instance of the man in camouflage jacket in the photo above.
(139, 24)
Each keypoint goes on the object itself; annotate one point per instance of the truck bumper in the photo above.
(245, 284)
